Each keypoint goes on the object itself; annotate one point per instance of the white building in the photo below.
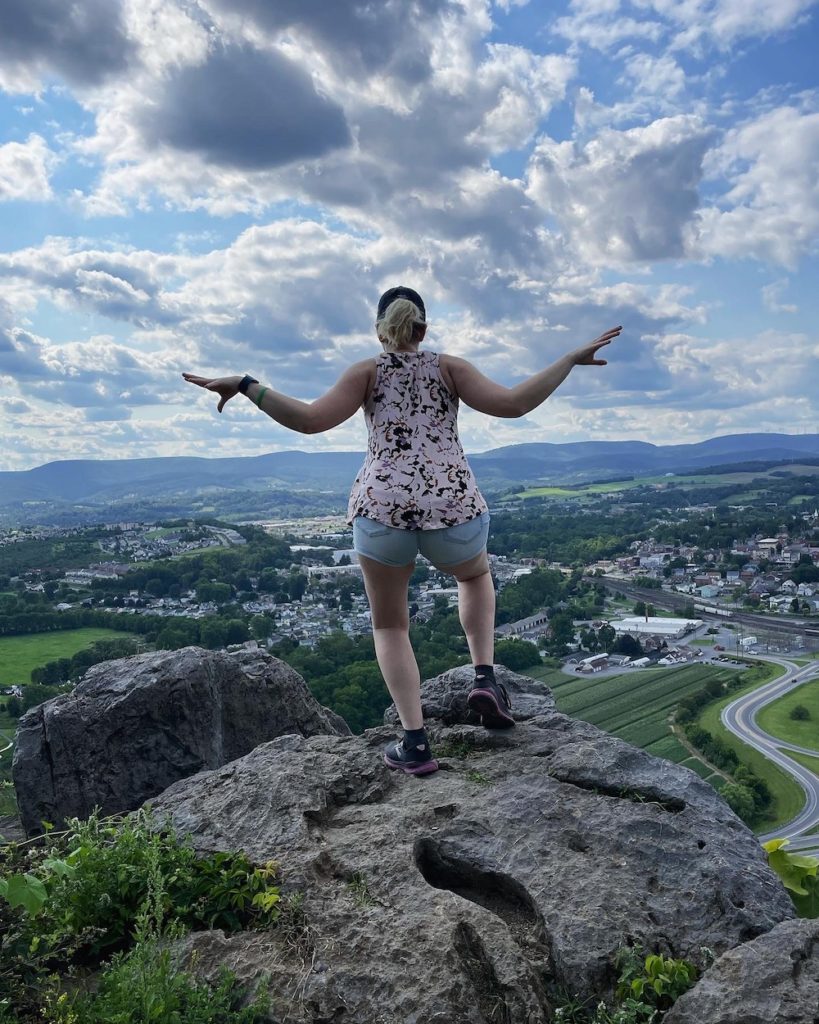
(594, 663)
(537, 623)
(323, 571)
(654, 625)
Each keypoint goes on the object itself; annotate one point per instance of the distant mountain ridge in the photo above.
(106, 482)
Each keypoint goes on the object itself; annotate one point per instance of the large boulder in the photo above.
(132, 727)
(774, 979)
(489, 891)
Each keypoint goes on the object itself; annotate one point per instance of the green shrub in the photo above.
(74, 898)
(141, 986)
(647, 987)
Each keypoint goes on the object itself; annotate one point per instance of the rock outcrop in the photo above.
(773, 979)
(489, 891)
(132, 727)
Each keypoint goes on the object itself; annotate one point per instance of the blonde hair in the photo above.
(397, 328)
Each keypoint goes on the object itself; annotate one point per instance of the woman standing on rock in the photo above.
(416, 493)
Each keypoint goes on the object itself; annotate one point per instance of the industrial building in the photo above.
(654, 625)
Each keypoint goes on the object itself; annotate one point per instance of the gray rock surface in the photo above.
(132, 727)
(774, 979)
(486, 892)
(11, 831)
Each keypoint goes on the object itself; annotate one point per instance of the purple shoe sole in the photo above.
(425, 768)
(492, 714)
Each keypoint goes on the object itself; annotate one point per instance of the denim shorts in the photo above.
(393, 546)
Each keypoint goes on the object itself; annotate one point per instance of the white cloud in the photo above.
(725, 22)
(771, 210)
(661, 77)
(25, 168)
(526, 87)
(624, 195)
(602, 26)
(680, 24)
(387, 132)
(516, 267)
(772, 295)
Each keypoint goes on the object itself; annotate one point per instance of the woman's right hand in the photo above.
(585, 356)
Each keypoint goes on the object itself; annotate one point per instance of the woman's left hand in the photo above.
(587, 355)
(225, 387)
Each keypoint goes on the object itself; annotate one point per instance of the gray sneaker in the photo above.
(416, 760)
(490, 700)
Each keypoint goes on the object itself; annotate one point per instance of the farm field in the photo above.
(692, 480)
(775, 717)
(552, 677)
(635, 706)
(20, 654)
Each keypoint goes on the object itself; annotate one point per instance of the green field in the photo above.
(692, 480)
(774, 717)
(552, 677)
(20, 654)
(743, 497)
(811, 763)
(634, 706)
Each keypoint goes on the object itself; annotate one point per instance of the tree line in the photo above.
(748, 795)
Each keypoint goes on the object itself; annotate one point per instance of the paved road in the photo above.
(740, 718)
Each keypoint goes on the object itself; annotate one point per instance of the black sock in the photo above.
(485, 672)
(414, 737)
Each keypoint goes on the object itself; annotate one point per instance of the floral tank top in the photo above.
(415, 475)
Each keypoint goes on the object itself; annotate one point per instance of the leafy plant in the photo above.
(647, 988)
(141, 985)
(659, 982)
(798, 873)
(69, 898)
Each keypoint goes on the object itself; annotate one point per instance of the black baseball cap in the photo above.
(400, 292)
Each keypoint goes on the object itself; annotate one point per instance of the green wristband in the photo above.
(261, 396)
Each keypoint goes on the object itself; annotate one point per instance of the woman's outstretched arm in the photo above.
(487, 396)
(334, 407)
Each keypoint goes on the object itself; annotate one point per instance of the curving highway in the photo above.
(740, 718)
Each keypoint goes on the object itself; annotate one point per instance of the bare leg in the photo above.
(476, 606)
(386, 588)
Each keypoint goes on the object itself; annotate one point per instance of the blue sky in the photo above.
(225, 187)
